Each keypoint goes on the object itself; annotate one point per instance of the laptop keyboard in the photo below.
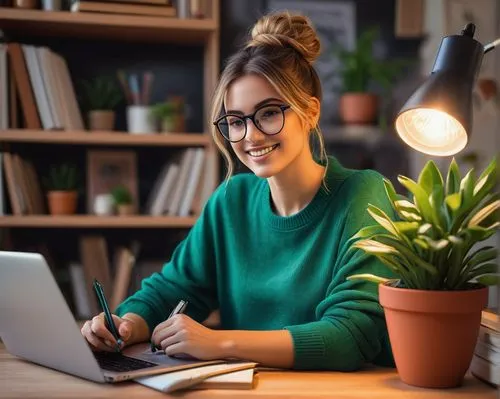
(118, 362)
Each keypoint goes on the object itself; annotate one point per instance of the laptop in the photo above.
(36, 324)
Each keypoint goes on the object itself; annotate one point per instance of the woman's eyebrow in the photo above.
(259, 104)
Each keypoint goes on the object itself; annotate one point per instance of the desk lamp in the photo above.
(437, 118)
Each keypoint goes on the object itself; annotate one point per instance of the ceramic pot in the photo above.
(358, 108)
(62, 202)
(125, 209)
(101, 120)
(433, 333)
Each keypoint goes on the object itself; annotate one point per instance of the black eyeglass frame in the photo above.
(282, 107)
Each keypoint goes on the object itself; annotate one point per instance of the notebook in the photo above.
(238, 375)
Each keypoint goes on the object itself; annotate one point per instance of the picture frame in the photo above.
(107, 169)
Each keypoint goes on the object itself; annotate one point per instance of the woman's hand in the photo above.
(101, 339)
(181, 335)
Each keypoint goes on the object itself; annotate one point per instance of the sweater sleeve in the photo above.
(350, 328)
(190, 274)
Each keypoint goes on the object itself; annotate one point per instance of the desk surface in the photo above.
(21, 379)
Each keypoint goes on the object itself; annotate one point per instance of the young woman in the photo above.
(271, 250)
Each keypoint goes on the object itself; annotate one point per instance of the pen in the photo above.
(181, 306)
(108, 319)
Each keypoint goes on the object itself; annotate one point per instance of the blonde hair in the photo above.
(282, 49)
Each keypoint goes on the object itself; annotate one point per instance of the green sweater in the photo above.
(269, 272)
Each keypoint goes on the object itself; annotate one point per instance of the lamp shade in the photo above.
(437, 118)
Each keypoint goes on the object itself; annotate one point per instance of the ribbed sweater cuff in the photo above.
(309, 346)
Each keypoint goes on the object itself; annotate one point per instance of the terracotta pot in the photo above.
(101, 120)
(27, 4)
(62, 202)
(433, 333)
(358, 108)
(125, 209)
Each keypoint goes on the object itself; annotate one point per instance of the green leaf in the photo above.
(484, 213)
(484, 254)
(436, 245)
(407, 254)
(385, 221)
(374, 247)
(453, 178)
(369, 277)
(467, 187)
(436, 201)
(420, 196)
(454, 201)
(489, 279)
(366, 232)
(489, 176)
(430, 177)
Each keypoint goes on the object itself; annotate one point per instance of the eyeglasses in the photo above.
(269, 119)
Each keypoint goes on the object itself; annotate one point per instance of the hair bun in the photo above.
(283, 29)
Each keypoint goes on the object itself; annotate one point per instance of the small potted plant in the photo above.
(123, 200)
(62, 190)
(359, 68)
(99, 98)
(170, 115)
(433, 308)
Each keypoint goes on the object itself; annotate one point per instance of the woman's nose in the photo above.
(253, 134)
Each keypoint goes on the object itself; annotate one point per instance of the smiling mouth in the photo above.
(264, 151)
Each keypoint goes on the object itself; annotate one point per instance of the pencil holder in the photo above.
(140, 120)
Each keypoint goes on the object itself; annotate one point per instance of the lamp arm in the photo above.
(492, 45)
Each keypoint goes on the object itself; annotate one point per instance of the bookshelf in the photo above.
(90, 221)
(84, 244)
(19, 22)
(97, 138)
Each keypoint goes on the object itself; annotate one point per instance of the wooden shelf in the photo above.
(104, 138)
(90, 221)
(105, 26)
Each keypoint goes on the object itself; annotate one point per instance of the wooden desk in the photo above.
(21, 379)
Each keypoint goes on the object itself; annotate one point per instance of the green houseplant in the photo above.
(123, 200)
(100, 96)
(170, 115)
(62, 189)
(433, 307)
(359, 68)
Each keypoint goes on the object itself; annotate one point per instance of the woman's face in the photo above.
(265, 155)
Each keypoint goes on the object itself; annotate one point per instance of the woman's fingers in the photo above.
(95, 342)
(176, 349)
(172, 339)
(99, 328)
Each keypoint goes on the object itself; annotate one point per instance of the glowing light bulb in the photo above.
(431, 131)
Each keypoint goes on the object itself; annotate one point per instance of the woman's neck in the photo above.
(295, 187)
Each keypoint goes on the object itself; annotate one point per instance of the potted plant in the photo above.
(100, 97)
(359, 68)
(433, 309)
(123, 200)
(170, 115)
(62, 190)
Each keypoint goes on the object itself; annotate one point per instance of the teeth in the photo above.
(259, 153)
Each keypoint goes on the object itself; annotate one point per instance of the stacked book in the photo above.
(160, 8)
(183, 185)
(485, 363)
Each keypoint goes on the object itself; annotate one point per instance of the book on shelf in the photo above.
(180, 187)
(485, 364)
(43, 84)
(131, 8)
(22, 184)
(115, 274)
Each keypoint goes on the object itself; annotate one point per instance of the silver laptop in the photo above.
(36, 324)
